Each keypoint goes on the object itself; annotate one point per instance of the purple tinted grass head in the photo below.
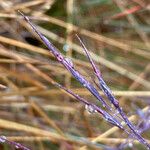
(67, 64)
(89, 86)
(143, 125)
(97, 72)
(16, 145)
(111, 98)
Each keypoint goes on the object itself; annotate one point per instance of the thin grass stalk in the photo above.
(112, 99)
(88, 85)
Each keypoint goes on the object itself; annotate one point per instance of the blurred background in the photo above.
(42, 117)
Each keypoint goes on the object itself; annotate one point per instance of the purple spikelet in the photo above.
(90, 87)
(68, 65)
(111, 97)
(3, 139)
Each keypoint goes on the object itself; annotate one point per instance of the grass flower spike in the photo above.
(106, 114)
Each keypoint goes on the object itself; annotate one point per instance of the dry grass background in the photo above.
(41, 116)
